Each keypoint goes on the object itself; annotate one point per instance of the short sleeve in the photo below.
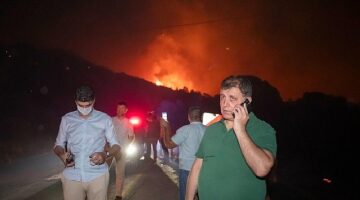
(110, 133)
(180, 136)
(61, 137)
(267, 139)
(200, 152)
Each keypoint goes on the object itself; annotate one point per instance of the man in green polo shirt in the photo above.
(236, 153)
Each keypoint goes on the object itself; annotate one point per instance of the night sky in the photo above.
(296, 46)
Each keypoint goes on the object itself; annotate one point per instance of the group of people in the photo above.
(227, 160)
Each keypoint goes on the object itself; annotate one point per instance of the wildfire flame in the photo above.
(158, 83)
(168, 64)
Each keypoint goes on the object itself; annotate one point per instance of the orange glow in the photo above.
(196, 44)
(158, 83)
(173, 81)
(167, 65)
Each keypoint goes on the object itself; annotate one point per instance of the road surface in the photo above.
(37, 178)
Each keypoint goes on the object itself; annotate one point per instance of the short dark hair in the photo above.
(122, 103)
(84, 93)
(241, 82)
(195, 113)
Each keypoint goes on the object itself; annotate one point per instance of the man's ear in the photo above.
(250, 99)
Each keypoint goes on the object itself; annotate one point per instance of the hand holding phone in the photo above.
(70, 160)
(241, 117)
(247, 102)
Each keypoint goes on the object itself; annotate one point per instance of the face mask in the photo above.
(84, 111)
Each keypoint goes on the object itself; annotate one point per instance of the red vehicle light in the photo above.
(135, 121)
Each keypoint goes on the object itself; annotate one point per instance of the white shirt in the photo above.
(85, 137)
(123, 130)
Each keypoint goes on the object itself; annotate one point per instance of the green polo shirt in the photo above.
(224, 173)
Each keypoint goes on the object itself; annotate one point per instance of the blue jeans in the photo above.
(183, 176)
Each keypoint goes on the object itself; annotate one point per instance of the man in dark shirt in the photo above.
(153, 135)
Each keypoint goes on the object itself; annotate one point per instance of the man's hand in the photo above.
(97, 158)
(66, 157)
(241, 118)
(69, 160)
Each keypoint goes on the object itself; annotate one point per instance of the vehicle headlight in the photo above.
(131, 150)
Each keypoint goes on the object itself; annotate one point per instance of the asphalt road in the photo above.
(28, 176)
(37, 178)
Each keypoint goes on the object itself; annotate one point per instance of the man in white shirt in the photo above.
(125, 135)
(80, 146)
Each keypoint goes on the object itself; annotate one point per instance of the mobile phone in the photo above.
(247, 102)
(70, 158)
(164, 116)
(248, 106)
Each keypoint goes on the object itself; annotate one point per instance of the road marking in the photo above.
(54, 177)
(170, 172)
(131, 186)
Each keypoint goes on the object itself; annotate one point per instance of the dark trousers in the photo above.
(166, 151)
(152, 142)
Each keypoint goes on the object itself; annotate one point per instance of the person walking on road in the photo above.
(80, 146)
(125, 135)
(153, 135)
